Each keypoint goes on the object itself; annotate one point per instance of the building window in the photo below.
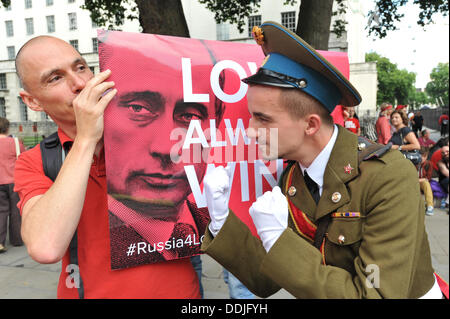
(29, 26)
(11, 52)
(49, 3)
(253, 21)
(73, 21)
(74, 43)
(94, 45)
(23, 110)
(9, 28)
(50, 24)
(288, 20)
(3, 81)
(71, 1)
(28, 4)
(223, 31)
(2, 107)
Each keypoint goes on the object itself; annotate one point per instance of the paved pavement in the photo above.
(21, 277)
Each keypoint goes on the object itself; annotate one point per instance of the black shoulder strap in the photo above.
(52, 158)
(52, 155)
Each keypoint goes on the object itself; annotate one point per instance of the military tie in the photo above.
(182, 231)
(312, 187)
(322, 223)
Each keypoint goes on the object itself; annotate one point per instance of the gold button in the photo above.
(292, 191)
(341, 239)
(336, 197)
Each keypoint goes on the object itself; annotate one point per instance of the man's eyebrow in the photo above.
(261, 115)
(155, 98)
(47, 74)
(181, 106)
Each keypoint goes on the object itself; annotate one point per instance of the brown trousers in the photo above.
(8, 209)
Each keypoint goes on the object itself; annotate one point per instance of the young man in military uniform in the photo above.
(347, 220)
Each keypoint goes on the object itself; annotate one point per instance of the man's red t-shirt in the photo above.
(169, 279)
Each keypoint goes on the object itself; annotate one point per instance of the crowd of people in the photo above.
(406, 132)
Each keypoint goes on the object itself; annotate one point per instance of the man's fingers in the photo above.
(104, 101)
(98, 78)
(101, 90)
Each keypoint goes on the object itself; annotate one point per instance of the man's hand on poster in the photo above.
(90, 105)
(270, 216)
(217, 191)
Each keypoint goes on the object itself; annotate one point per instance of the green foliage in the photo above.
(5, 3)
(394, 85)
(235, 12)
(107, 13)
(339, 24)
(418, 98)
(437, 88)
(385, 15)
(382, 18)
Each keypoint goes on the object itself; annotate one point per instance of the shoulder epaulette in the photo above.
(368, 149)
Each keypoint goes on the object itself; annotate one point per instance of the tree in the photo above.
(437, 88)
(167, 17)
(385, 15)
(417, 99)
(394, 85)
(160, 17)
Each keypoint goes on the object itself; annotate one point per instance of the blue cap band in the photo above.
(317, 85)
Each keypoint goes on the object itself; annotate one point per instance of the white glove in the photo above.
(217, 191)
(270, 216)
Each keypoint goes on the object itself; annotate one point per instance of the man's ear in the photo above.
(30, 101)
(314, 122)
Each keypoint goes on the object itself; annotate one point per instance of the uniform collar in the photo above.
(317, 168)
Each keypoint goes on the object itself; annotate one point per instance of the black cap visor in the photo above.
(267, 77)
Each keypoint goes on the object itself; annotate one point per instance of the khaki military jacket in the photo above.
(384, 253)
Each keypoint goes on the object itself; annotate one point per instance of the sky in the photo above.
(412, 47)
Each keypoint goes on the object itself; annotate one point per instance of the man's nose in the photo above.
(77, 83)
(161, 145)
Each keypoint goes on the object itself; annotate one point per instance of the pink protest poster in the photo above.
(180, 110)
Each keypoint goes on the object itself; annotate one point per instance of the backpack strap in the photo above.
(52, 158)
(52, 155)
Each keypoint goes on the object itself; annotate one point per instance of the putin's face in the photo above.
(148, 107)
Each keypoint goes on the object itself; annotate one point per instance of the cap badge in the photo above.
(258, 35)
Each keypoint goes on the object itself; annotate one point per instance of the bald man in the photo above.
(58, 81)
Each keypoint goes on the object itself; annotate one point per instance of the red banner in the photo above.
(180, 109)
